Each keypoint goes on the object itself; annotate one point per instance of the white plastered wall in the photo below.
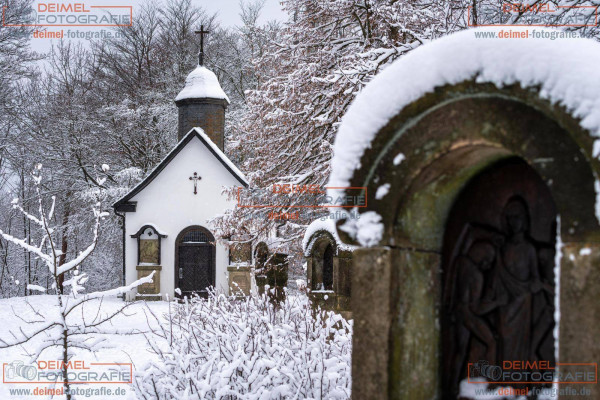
(169, 204)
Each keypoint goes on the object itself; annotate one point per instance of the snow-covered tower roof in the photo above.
(202, 83)
(202, 102)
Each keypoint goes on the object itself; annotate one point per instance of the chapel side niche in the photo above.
(149, 241)
(498, 274)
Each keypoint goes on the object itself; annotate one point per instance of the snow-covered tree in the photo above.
(15, 55)
(55, 324)
(307, 77)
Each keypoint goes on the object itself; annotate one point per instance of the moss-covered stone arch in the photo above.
(448, 137)
(329, 272)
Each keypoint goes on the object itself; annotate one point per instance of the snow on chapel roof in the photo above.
(194, 132)
(565, 70)
(202, 83)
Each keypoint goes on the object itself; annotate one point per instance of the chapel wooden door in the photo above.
(195, 269)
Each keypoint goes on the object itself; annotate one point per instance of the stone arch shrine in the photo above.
(328, 267)
(486, 249)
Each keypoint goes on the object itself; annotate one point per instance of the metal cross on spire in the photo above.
(201, 32)
(195, 178)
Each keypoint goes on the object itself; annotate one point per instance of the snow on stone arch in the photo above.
(323, 224)
(566, 71)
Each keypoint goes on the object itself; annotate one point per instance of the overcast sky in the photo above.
(229, 10)
(228, 13)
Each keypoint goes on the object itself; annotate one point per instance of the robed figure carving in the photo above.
(518, 275)
(498, 306)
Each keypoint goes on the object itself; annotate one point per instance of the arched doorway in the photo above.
(498, 274)
(195, 267)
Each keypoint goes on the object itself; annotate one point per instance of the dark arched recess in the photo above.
(195, 261)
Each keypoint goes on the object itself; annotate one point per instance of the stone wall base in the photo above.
(152, 288)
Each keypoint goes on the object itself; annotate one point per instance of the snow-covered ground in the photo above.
(204, 349)
(140, 318)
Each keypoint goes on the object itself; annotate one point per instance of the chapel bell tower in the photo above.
(202, 102)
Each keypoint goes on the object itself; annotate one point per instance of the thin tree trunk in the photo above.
(65, 370)
(5, 259)
(64, 242)
(27, 291)
(26, 256)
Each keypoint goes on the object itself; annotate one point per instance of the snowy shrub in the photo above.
(223, 348)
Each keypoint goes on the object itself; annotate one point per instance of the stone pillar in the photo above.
(309, 272)
(415, 331)
(579, 311)
(240, 270)
(343, 282)
(240, 279)
(261, 281)
(371, 284)
(149, 291)
(395, 350)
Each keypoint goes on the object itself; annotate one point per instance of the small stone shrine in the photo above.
(328, 267)
(485, 250)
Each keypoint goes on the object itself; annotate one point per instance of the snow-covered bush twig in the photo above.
(223, 348)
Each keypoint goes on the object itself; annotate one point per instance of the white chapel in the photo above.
(166, 216)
